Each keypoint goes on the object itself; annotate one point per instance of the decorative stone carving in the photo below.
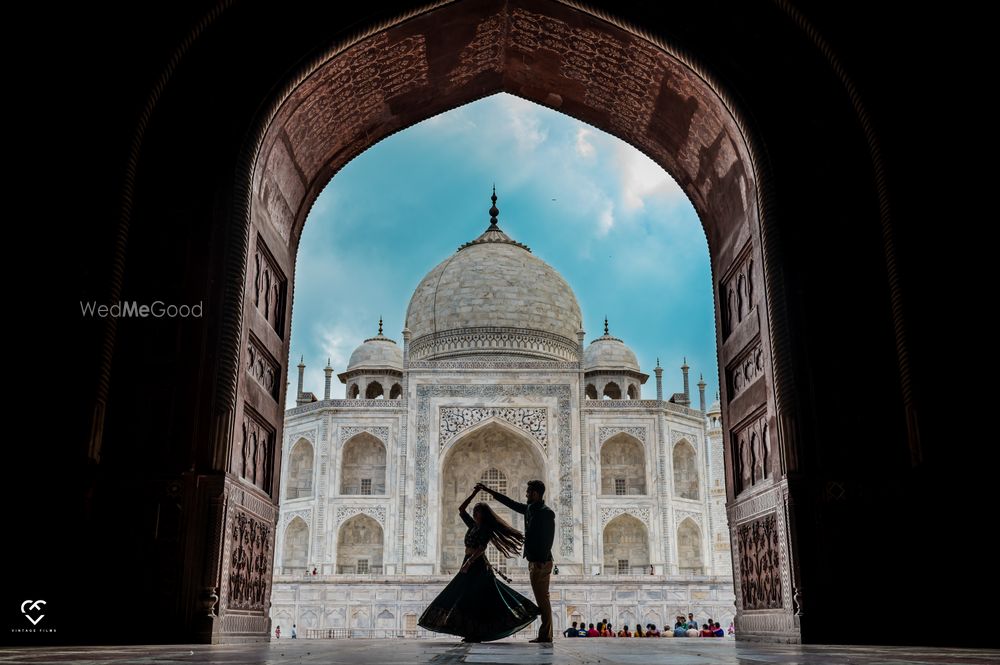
(747, 368)
(589, 57)
(262, 367)
(286, 518)
(255, 459)
(492, 340)
(605, 433)
(250, 563)
(737, 292)
(760, 563)
(379, 432)
(504, 362)
(681, 515)
(375, 512)
(608, 513)
(269, 287)
(751, 453)
(690, 437)
(492, 392)
(531, 421)
(393, 404)
(484, 52)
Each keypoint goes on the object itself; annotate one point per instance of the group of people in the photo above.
(683, 628)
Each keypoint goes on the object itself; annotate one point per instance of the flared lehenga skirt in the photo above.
(478, 606)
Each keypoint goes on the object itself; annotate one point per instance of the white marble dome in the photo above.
(609, 353)
(493, 296)
(377, 352)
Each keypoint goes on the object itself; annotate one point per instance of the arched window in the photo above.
(590, 391)
(374, 390)
(353, 391)
(689, 548)
(623, 466)
(363, 466)
(295, 552)
(496, 480)
(685, 470)
(300, 471)
(612, 391)
(633, 392)
(396, 391)
(626, 547)
(359, 547)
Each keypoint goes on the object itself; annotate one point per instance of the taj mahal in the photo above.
(493, 382)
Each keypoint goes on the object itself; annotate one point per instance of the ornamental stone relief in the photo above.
(262, 367)
(564, 501)
(751, 451)
(605, 433)
(747, 368)
(737, 293)
(760, 567)
(377, 513)
(531, 421)
(681, 515)
(379, 432)
(691, 438)
(503, 362)
(249, 564)
(492, 341)
(286, 518)
(608, 513)
(269, 287)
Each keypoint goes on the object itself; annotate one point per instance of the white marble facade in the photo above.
(493, 383)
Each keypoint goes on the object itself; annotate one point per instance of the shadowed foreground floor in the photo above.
(605, 652)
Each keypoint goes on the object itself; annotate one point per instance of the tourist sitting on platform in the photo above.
(651, 631)
(706, 631)
(718, 630)
(624, 632)
(691, 622)
(693, 632)
(593, 632)
(583, 630)
(606, 630)
(680, 628)
(571, 632)
(638, 631)
(732, 629)
(667, 631)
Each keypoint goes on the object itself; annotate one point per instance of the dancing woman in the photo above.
(475, 604)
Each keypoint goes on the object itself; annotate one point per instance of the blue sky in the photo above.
(613, 223)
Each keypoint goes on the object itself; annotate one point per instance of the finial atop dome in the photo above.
(605, 325)
(380, 326)
(493, 233)
(493, 209)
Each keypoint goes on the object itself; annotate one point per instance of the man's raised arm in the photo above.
(505, 500)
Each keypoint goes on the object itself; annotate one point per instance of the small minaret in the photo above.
(659, 381)
(701, 391)
(684, 370)
(329, 376)
(302, 377)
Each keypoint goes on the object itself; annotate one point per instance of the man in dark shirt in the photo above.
(539, 532)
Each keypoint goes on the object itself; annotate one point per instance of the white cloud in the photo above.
(584, 147)
(642, 179)
(606, 220)
(525, 123)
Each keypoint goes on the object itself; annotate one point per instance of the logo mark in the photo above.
(34, 606)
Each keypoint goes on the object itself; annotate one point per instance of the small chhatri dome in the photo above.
(716, 406)
(493, 297)
(607, 352)
(377, 352)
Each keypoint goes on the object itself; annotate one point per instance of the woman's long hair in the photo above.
(504, 537)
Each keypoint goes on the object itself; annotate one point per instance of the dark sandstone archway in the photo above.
(636, 88)
(194, 226)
